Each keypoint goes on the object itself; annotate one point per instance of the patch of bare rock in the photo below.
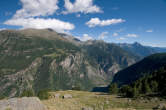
(25, 103)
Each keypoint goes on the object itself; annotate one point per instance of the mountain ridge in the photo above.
(43, 59)
(140, 69)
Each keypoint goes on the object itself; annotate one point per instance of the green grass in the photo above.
(97, 101)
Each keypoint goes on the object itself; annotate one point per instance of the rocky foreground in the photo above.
(24, 103)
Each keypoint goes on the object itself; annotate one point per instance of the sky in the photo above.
(118, 21)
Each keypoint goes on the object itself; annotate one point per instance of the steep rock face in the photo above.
(110, 57)
(24, 103)
(78, 62)
(75, 70)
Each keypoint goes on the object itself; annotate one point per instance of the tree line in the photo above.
(151, 84)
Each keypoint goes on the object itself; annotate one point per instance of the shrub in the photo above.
(77, 88)
(8, 109)
(27, 93)
(2, 97)
(43, 94)
(128, 91)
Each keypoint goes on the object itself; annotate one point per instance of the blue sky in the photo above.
(116, 21)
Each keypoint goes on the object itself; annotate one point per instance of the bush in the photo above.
(27, 93)
(128, 91)
(77, 88)
(8, 109)
(43, 94)
(2, 97)
(113, 89)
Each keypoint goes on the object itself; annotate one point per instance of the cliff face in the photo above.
(42, 59)
(110, 57)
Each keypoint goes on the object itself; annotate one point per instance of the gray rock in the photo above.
(57, 95)
(161, 107)
(24, 103)
(129, 100)
(67, 96)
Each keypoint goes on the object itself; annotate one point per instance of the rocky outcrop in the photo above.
(76, 70)
(24, 103)
(20, 79)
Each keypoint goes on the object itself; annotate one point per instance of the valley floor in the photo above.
(81, 100)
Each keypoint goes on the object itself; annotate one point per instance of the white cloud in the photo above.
(83, 6)
(132, 35)
(31, 8)
(1, 29)
(29, 16)
(85, 37)
(40, 23)
(97, 22)
(121, 38)
(115, 34)
(103, 35)
(150, 30)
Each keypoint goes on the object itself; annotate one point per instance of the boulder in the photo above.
(25, 103)
(67, 96)
(160, 107)
(56, 95)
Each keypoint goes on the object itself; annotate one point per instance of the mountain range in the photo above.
(140, 50)
(44, 59)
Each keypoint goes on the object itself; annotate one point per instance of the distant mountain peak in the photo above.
(137, 44)
(50, 29)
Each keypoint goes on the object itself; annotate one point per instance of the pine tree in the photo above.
(154, 86)
(135, 92)
(146, 87)
(113, 89)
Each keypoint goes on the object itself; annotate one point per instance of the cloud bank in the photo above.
(40, 23)
(85, 37)
(82, 6)
(32, 8)
(132, 35)
(115, 34)
(31, 13)
(93, 22)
